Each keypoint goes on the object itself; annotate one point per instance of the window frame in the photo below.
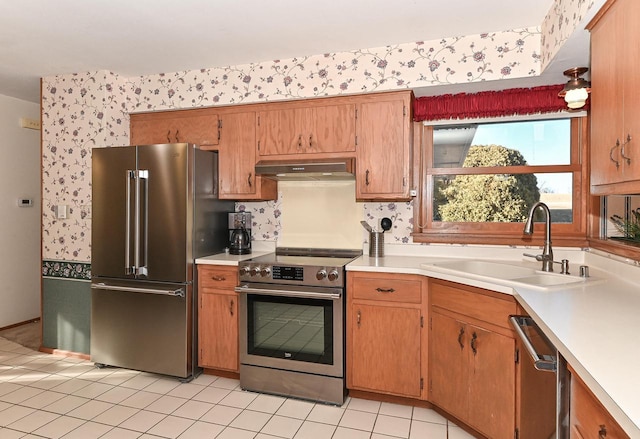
(425, 230)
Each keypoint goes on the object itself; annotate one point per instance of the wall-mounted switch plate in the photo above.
(31, 124)
(25, 202)
(61, 211)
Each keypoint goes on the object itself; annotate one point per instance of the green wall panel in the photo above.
(66, 314)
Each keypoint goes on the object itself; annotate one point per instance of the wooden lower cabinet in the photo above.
(472, 357)
(218, 318)
(386, 340)
(588, 417)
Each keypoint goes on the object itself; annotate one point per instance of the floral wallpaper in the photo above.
(79, 112)
(563, 19)
(484, 57)
(86, 110)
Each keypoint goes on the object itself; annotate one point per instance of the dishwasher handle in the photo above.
(546, 363)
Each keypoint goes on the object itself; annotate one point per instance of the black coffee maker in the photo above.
(240, 233)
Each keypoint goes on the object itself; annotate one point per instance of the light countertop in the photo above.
(593, 324)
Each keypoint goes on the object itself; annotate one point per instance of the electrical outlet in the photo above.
(85, 211)
(31, 124)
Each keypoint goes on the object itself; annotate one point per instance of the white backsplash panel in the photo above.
(320, 214)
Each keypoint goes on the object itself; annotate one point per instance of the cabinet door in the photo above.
(606, 99)
(588, 418)
(150, 131)
(448, 365)
(203, 130)
(283, 131)
(237, 160)
(218, 331)
(175, 127)
(385, 349)
(629, 66)
(383, 150)
(333, 129)
(491, 383)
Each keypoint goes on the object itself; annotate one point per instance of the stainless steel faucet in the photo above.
(547, 252)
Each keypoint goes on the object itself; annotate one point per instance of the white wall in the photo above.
(20, 265)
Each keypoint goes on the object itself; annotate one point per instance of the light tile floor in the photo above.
(48, 396)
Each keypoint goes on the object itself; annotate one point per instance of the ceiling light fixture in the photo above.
(576, 91)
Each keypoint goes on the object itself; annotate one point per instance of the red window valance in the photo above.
(486, 104)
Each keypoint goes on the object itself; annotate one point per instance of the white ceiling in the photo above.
(137, 37)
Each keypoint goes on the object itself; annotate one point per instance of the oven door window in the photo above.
(290, 328)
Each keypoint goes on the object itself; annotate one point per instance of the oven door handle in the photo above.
(287, 293)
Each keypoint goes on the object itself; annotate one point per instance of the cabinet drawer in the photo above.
(217, 278)
(473, 302)
(391, 288)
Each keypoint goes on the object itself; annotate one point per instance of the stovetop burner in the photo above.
(299, 266)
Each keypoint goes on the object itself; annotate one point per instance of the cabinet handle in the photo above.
(300, 141)
(249, 180)
(358, 316)
(177, 138)
(310, 141)
(366, 178)
(617, 145)
(218, 278)
(169, 134)
(628, 159)
(602, 433)
(231, 307)
(460, 335)
(474, 338)
(385, 290)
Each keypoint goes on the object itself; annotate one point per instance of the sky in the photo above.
(544, 142)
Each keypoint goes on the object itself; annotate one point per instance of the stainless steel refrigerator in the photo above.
(155, 209)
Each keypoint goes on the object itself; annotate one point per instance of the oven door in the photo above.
(292, 328)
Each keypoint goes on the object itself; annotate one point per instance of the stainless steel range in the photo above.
(292, 323)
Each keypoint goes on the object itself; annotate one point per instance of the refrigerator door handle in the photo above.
(128, 269)
(142, 225)
(101, 286)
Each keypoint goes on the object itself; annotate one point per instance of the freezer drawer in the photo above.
(143, 327)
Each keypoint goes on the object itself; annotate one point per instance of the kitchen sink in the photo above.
(503, 272)
(485, 268)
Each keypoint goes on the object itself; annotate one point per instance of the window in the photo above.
(481, 179)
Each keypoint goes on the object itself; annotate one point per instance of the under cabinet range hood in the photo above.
(298, 170)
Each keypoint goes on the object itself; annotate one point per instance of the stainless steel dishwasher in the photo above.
(545, 384)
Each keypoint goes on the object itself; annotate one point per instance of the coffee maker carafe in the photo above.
(240, 233)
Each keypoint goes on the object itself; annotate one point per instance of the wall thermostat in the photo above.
(25, 202)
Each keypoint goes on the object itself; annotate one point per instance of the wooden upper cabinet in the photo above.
(615, 99)
(383, 154)
(237, 160)
(290, 130)
(192, 126)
